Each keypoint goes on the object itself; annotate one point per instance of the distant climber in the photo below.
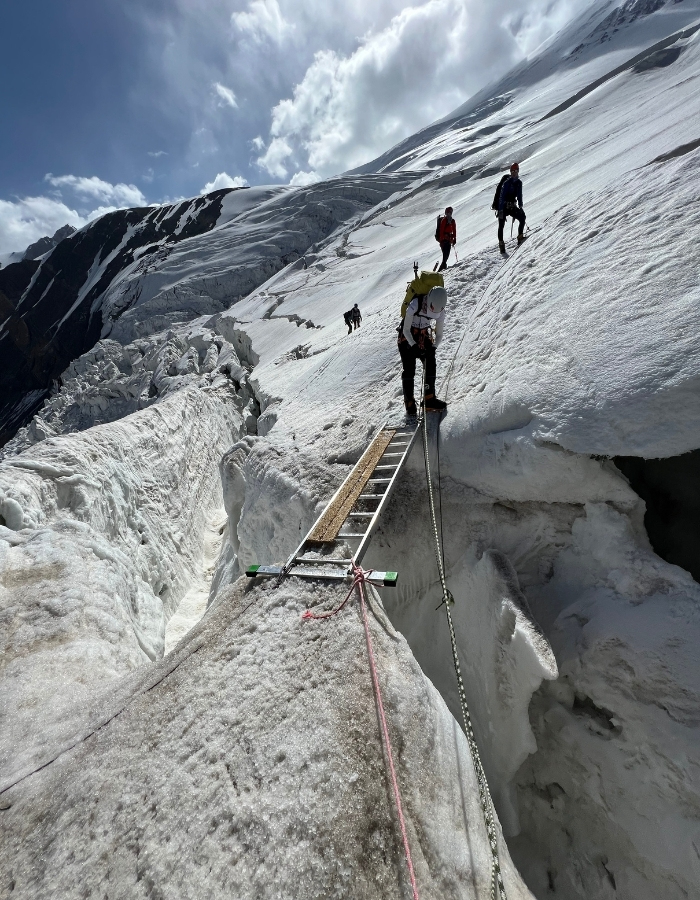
(347, 318)
(356, 316)
(446, 235)
(420, 312)
(509, 202)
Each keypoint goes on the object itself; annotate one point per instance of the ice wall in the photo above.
(99, 537)
(248, 763)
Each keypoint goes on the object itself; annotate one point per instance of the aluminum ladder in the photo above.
(351, 516)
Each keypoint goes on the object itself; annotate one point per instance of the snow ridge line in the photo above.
(359, 581)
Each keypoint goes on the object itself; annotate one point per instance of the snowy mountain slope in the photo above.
(51, 314)
(583, 53)
(140, 268)
(38, 248)
(577, 640)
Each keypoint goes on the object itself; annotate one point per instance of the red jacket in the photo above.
(447, 230)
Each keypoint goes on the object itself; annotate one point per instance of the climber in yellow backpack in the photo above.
(420, 333)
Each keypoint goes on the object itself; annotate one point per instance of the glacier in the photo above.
(169, 730)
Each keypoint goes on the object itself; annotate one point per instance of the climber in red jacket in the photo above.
(446, 235)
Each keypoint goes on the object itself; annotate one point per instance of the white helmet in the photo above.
(437, 299)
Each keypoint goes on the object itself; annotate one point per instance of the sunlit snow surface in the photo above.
(578, 642)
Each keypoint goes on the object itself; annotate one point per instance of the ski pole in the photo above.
(456, 257)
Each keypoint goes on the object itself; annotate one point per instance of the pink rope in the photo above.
(360, 577)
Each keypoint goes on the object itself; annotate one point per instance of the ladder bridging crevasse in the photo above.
(351, 515)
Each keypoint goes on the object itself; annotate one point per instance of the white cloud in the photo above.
(226, 95)
(425, 62)
(326, 89)
(24, 221)
(538, 21)
(263, 19)
(120, 195)
(275, 157)
(157, 153)
(301, 179)
(223, 180)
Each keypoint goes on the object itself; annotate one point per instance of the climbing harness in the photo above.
(360, 578)
(498, 891)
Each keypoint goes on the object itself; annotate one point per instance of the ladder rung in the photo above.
(353, 534)
(322, 562)
(379, 481)
(387, 455)
(370, 496)
(360, 515)
(393, 467)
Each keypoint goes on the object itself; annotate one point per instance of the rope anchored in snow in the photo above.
(360, 578)
(498, 891)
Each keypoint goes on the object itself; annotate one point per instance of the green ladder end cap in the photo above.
(252, 571)
(390, 579)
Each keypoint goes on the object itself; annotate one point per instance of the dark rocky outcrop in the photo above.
(43, 245)
(53, 311)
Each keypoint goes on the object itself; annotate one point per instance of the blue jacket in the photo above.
(511, 191)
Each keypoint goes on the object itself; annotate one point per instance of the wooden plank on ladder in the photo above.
(330, 523)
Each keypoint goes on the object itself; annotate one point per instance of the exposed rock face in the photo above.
(58, 315)
(43, 245)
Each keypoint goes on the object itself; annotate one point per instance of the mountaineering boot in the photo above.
(432, 404)
(521, 238)
(502, 246)
(411, 409)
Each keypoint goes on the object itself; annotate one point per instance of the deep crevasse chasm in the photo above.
(218, 411)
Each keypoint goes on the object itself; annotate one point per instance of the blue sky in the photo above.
(110, 103)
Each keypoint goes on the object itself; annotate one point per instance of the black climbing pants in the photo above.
(409, 355)
(516, 213)
(445, 246)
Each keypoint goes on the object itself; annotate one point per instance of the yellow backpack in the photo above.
(420, 286)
